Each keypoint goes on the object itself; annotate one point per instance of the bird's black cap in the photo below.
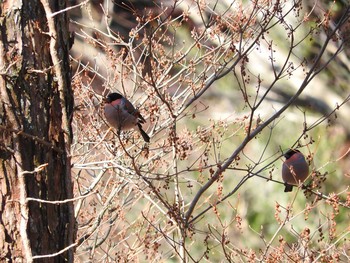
(113, 96)
(290, 153)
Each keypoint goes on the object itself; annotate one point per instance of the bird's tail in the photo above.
(143, 133)
(288, 188)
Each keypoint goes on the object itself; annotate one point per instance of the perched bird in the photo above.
(122, 115)
(294, 170)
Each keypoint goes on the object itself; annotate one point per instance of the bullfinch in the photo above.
(294, 170)
(122, 115)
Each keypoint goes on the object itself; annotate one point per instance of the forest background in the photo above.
(226, 87)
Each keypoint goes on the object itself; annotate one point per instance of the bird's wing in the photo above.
(128, 106)
(131, 109)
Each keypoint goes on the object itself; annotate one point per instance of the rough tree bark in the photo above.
(35, 132)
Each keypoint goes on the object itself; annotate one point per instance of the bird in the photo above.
(122, 115)
(295, 169)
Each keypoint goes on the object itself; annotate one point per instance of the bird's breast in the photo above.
(295, 169)
(119, 118)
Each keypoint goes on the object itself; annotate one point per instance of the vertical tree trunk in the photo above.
(35, 132)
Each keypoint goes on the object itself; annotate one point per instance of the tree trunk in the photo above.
(35, 133)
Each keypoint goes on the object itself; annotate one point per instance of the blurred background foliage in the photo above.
(249, 217)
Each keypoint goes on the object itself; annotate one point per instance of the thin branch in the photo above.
(68, 8)
(57, 253)
(58, 202)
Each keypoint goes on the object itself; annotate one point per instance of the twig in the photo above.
(68, 8)
(57, 253)
(60, 201)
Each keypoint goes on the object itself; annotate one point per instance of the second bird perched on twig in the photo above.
(295, 169)
(122, 115)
